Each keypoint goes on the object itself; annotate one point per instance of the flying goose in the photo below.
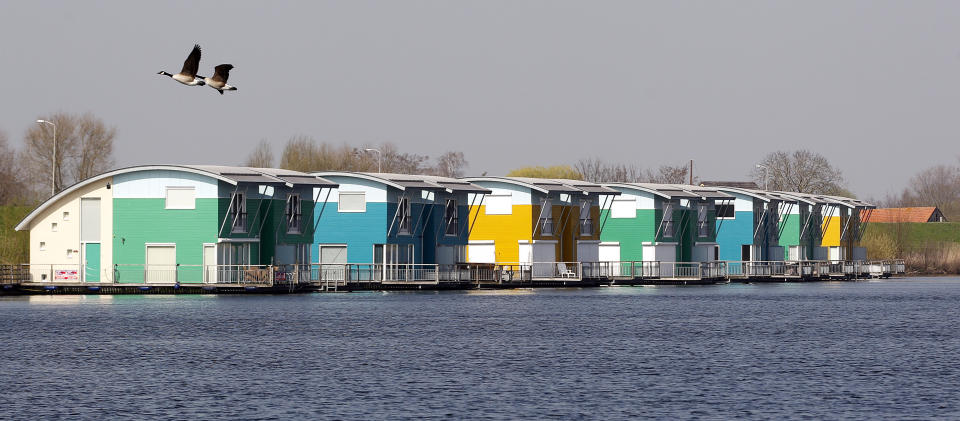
(219, 79)
(188, 76)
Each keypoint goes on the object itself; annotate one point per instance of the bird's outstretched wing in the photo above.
(222, 72)
(192, 64)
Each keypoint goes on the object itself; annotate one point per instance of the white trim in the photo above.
(66, 192)
(705, 243)
(507, 180)
(358, 175)
(659, 243)
(609, 243)
(481, 242)
(589, 242)
(636, 187)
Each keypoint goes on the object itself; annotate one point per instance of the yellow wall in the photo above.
(506, 231)
(831, 238)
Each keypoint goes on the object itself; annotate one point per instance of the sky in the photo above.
(872, 85)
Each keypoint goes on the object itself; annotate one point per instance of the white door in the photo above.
(610, 253)
(794, 252)
(333, 260)
(210, 263)
(161, 263)
(526, 253)
(481, 253)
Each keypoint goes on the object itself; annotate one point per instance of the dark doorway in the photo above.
(745, 253)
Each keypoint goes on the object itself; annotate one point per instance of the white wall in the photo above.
(152, 184)
(375, 192)
(67, 235)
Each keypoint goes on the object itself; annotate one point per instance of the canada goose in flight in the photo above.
(219, 79)
(188, 76)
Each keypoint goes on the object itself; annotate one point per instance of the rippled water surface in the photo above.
(845, 350)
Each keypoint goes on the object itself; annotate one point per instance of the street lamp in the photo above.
(765, 168)
(379, 160)
(53, 169)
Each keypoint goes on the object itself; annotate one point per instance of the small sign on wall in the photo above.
(66, 275)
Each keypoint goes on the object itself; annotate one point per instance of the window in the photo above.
(66, 216)
(238, 213)
(43, 245)
(352, 202)
(623, 208)
(450, 217)
(499, 204)
(726, 211)
(703, 220)
(586, 220)
(181, 198)
(53, 226)
(69, 253)
(546, 217)
(403, 215)
(293, 214)
(667, 220)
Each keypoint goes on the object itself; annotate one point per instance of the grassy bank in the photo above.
(14, 245)
(926, 247)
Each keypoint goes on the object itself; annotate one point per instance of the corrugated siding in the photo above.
(631, 233)
(733, 234)
(359, 231)
(140, 221)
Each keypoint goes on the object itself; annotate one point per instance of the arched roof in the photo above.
(637, 187)
(25, 223)
(360, 175)
(508, 180)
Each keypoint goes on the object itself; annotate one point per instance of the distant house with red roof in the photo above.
(894, 215)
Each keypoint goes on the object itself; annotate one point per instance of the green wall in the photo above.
(140, 221)
(631, 233)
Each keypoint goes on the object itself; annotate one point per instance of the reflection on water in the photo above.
(835, 350)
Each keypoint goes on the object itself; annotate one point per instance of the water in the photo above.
(845, 350)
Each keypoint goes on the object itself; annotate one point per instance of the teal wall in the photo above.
(358, 230)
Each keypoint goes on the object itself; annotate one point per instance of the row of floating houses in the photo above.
(216, 228)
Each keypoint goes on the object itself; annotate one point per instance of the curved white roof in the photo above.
(508, 180)
(25, 223)
(360, 175)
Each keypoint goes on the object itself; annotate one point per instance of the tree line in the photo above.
(304, 153)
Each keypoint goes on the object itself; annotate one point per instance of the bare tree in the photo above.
(261, 157)
(95, 149)
(801, 171)
(84, 147)
(935, 186)
(12, 189)
(672, 174)
(450, 164)
(598, 171)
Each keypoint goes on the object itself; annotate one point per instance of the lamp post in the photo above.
(53, 169)
(765, 168)
(379, 160)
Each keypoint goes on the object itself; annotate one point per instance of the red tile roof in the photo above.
(892, 215)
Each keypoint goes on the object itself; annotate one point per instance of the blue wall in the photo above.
(733, 234)
(358, 230)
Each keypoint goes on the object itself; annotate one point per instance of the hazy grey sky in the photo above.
(874, 85)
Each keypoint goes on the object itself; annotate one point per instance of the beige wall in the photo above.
(67, 235)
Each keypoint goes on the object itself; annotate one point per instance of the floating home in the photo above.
(173, 224)
(526, 220)
(393, 219)
(660, 222)
(843, 223)
(750, 226)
